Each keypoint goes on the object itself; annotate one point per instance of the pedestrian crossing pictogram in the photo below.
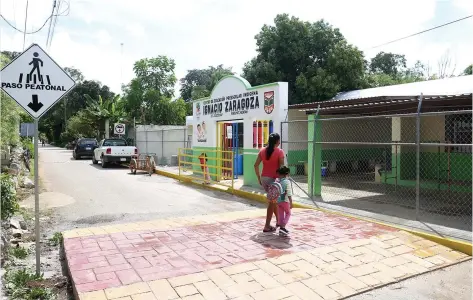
(35, 81)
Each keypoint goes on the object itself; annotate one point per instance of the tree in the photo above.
(76, 98)
(100, 110)
(148, 96)
(397, 75)
(156, 74)
(446, 67)
(75, 74)
(314, 58)
(390, 64)
(468, 70)
(10, 55)
(198, 83)
(56, 119)
(82, 124)
(10, 115)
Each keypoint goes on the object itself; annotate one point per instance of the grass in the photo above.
(56, 239)
(25, 285)
(19, 252)
(26, 214)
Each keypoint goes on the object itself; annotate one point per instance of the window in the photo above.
(117, 142)
(458, 131)
(88, 142)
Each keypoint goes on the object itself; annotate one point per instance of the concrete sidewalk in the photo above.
(226, 256)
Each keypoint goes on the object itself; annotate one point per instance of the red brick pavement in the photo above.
(103, 261)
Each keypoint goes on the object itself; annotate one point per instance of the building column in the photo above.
(314, 156)
(396, 136)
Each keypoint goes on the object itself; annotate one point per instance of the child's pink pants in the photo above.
(284, 212)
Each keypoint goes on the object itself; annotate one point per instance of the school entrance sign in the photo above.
(35, 81)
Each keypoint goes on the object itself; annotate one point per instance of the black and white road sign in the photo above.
(35, 81)
(119, 128)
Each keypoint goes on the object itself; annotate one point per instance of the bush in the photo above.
(26, 142)
(8, 197)
(19, 252)
(26, 285)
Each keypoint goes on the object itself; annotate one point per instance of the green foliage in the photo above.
(8, 197)
(148, 96)
(53, 123)
(28, 144)
(156, 74)
(9, 115)
(314, 58)
(75, 74)
(81, 125)
(19, 252)
(468, 70)
(389, 63)
(56, 239)
(198, 83)
(10, 55)
(25, 285)
(10, 120)
(390, 69)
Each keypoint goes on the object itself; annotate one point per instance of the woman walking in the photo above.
(272, 158)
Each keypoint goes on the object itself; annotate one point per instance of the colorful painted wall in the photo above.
(232, 99)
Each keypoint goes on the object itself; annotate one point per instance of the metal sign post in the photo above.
(36, 198)
(36, 82)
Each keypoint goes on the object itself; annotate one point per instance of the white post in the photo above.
(107, 128)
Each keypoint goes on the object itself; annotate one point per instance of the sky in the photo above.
(201, 33)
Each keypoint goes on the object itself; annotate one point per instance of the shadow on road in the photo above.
(109, 167)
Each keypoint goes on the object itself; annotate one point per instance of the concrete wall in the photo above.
(164, 141)
(355, 130)
(297, 131)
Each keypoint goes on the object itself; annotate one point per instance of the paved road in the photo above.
(451, 283)
(86, 195)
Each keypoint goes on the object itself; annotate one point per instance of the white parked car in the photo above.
(113, 151)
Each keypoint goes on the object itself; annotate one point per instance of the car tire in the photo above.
(94, 161)
(104, 164)
(77, 157)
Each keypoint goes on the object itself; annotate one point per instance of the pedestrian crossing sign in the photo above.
(35, 81)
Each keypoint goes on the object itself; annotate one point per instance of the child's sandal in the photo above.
(271, 229)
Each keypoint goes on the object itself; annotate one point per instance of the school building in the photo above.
(407, 145)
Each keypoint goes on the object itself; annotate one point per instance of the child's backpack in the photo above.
(274, 191)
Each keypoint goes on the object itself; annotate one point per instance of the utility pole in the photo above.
(26, 20)
(65, 117)
(121, 65)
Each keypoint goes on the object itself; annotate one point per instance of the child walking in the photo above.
(205, 169)
(284, 200)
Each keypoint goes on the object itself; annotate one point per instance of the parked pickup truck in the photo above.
(113, 151)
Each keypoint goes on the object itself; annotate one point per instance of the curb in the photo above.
(454, 244)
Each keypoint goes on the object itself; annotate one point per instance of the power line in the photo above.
(55, 22)
(420, 32)
(40, 28)
(50, 22)
(26, 20)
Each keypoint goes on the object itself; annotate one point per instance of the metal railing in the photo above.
(412, 166)
(207, 166)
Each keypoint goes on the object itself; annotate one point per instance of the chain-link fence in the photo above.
(163, 141)
(411, 166)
